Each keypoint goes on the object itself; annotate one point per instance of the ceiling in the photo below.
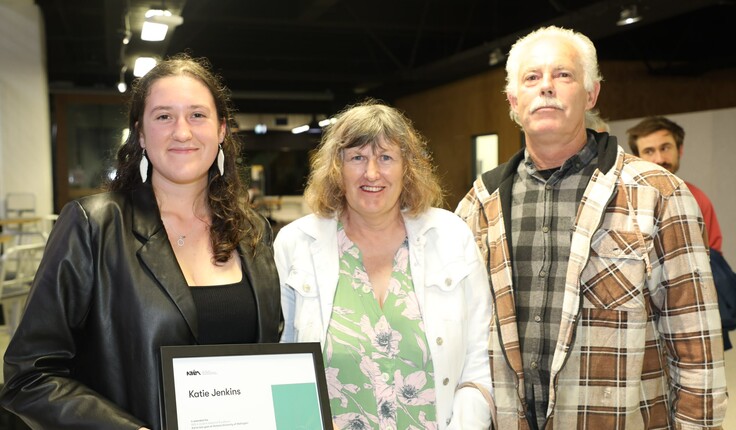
(315, 56)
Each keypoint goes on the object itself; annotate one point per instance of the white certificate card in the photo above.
(245, 387)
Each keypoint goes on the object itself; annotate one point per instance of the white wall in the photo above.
(25, 142)
(709, 162)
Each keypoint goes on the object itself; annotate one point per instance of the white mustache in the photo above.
(545, 102)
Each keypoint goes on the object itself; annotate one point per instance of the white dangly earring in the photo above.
(221, 161)
(144, 166)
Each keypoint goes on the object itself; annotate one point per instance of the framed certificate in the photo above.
(266, 386)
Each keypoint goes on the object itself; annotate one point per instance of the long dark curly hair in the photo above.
(232, 220)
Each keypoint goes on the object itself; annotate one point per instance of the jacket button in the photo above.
(448, 281)
(445, 381)
(439, 341)
(307, 288)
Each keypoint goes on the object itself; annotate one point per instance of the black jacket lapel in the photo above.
(158, 257)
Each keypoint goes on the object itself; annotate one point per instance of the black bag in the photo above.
(725, 280)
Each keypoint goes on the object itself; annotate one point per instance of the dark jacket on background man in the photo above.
(108, 294)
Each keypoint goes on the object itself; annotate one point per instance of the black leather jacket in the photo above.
(108, 294)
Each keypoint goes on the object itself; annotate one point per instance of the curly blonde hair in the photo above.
(371, 123)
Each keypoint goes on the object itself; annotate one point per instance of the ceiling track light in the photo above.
(327, 121)
(629, 15)
(157, 23)
(143, 65)
(122, 86)
(496, 57)
(127, 34)
(313, 127)
(300, 129)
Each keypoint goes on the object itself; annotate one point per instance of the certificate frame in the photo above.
(174, 359)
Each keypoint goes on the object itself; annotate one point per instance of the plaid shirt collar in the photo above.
(571, 166)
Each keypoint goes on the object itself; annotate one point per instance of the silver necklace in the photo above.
(180, 239)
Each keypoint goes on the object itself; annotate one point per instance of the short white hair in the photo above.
(583, 45)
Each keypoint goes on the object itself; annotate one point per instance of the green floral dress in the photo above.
(378, 364)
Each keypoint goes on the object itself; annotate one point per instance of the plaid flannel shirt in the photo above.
(640, 342)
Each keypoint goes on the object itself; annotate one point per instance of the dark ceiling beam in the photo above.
(66, 31)
(114, 22)
(291, 26)
(195, 29)
(596, 21)
(315, 9)
(294, 76)
(368, 30)
(559, 7)
(461, 37)
(418, 35)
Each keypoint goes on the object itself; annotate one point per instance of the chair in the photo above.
(18, 266)
(18, 205)
(21, 206)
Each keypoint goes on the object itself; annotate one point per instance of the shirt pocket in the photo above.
(444, 286)
(306, 310)
(615, 274)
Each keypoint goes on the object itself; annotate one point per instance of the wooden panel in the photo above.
(451, 115)
(630, 91)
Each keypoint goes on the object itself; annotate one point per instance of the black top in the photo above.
(226, 313)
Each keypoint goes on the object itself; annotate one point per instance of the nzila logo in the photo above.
(193, 372)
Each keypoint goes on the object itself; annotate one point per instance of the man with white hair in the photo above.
(605, 315)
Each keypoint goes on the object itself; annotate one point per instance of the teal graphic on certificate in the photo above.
(296, 406)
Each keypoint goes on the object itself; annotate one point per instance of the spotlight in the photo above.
(300, 129)
(495, 57)
(629, 15)
(157, 23)
(143, 65)
(312, 128)
(122, 86)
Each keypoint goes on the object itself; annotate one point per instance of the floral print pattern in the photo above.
(379, 370)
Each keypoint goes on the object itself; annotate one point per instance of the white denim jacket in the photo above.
(452, 288)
